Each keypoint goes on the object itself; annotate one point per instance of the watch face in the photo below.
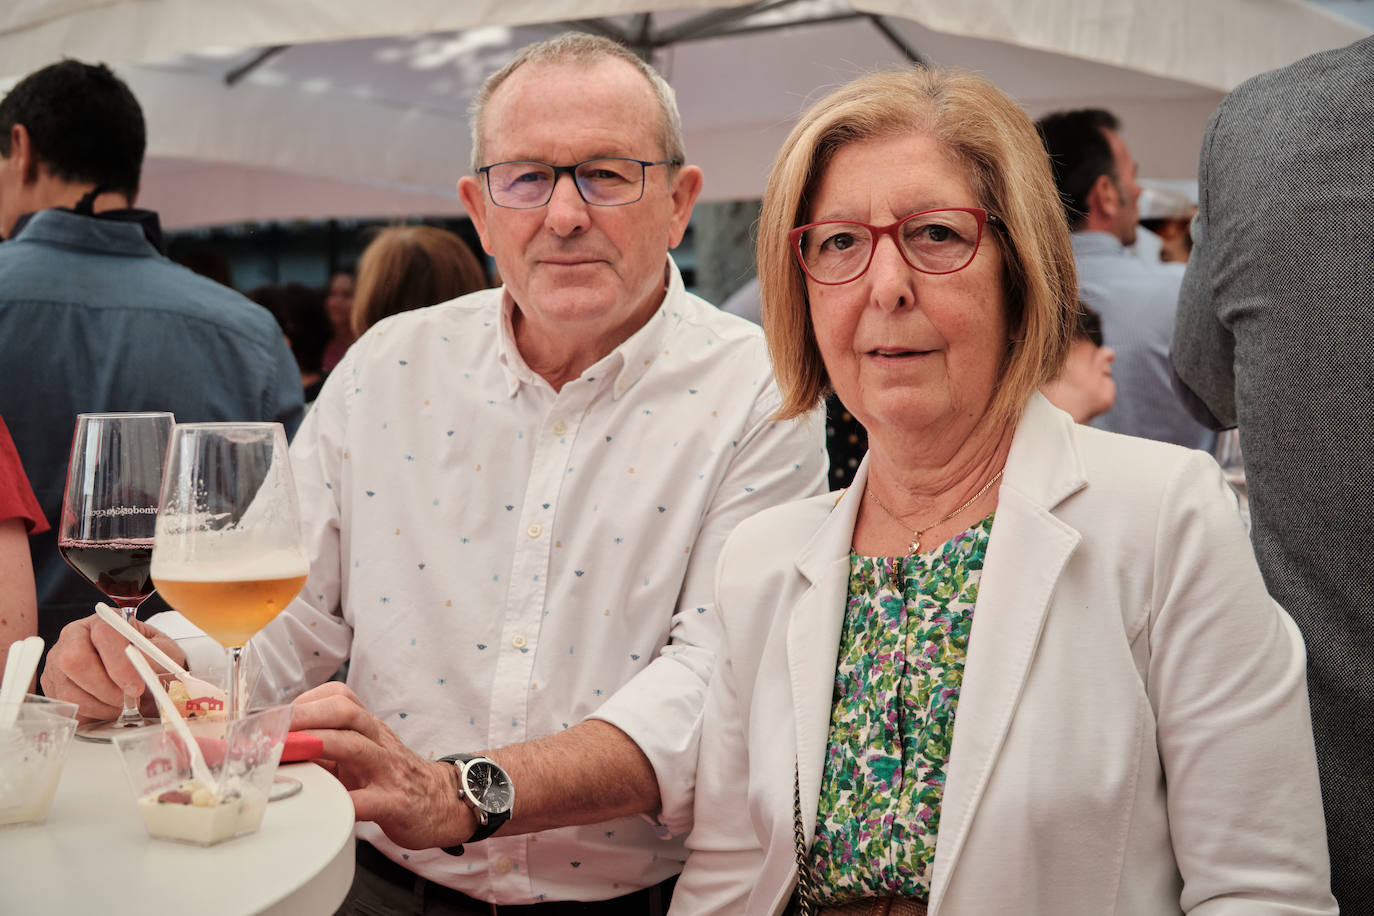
(488, 786)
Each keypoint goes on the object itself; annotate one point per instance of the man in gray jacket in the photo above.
(1275, 333)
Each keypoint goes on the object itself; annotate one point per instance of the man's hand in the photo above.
(87, 667)
(415, 801)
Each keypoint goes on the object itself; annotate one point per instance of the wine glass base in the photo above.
(103, 732)
(283, 787)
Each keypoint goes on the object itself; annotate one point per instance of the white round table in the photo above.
(93, 854)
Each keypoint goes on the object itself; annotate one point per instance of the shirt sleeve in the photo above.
(308, 641)
(725, 854)
(660, 708)
(16, 496)
(1203, 350)
(284, 399)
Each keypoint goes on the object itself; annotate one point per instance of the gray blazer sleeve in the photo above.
(1203, 349)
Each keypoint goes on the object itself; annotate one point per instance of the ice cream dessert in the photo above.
(193, 813)
(32, 752)
(194, 707)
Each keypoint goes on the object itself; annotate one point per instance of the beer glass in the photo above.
(228, 552)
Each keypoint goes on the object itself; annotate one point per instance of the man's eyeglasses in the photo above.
(524, 185)
(932, 242)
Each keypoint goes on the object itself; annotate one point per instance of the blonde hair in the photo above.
(580, 48)
(409, 267)
(996, 143)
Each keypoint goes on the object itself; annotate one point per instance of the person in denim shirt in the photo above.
(93, 315)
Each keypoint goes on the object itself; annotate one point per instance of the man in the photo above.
(1276, 333)
(1136, 298)
(515, 501)
(93, 316)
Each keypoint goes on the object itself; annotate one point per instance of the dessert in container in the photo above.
(32, 753)
(242, 756)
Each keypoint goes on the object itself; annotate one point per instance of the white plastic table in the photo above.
(93, 855)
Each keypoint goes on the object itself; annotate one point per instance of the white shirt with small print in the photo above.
(501, 561)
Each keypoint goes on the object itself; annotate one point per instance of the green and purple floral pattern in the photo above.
(901, 663)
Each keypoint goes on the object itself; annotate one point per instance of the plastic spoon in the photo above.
(20, 663)
(194, 685)
(200, 771)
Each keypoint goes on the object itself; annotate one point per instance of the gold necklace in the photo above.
(916, 534)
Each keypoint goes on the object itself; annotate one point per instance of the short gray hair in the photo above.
(581, 48)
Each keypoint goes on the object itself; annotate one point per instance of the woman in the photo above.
(1084, 388)
(1132, 731)
(338, 302)
(20, 516)
(305, 323)
(409, 267)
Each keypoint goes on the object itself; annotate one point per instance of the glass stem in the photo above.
(232, 688)
(129, 715)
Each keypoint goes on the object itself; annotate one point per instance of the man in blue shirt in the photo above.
(93, 316)
(1136, 298)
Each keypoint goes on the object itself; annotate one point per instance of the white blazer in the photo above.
(1133, 732)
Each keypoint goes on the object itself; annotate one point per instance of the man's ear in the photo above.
(686, 188)
(475, 202)
(21, 153)
(1104, 199)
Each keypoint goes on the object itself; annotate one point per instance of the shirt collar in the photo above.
(1096, 243)
(127, 231)
(624, 365)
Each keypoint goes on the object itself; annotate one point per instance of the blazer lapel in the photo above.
(1027, 550)
(813, 638)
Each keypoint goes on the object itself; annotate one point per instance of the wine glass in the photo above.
(109, 514)
(228, 552)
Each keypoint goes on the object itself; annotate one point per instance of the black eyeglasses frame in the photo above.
(571, 171)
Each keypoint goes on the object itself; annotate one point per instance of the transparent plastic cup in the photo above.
(32, 753)
(242, 756)
(193, 704)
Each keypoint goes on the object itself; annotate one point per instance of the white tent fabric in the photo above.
(350, 120)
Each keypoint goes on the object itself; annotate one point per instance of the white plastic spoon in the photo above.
(200, 770)
(194, 685)
(20, 663)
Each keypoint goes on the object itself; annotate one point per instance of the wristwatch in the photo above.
(487, 790)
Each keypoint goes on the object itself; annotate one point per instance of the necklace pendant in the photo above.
(915, 545)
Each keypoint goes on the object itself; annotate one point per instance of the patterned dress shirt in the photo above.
(502, 561)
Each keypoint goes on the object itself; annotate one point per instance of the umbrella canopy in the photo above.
(335, 108)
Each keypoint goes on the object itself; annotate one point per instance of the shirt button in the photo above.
(536, 529)
(559, 427)
(519, 641)
(504, 865)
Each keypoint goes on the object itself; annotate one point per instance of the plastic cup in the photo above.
(32, 753)
(242, 756)
(191, 703)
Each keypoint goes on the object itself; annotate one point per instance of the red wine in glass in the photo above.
(109, 516)
(120, 569)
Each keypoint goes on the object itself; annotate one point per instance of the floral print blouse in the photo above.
(901, 663)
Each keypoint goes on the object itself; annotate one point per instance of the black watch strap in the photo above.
(494, 821)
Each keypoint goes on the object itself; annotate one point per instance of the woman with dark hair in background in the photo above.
(301, 313)
(338, 305)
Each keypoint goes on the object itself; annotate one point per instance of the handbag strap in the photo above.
(804, 898)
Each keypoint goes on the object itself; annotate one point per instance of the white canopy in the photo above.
(363, 112)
